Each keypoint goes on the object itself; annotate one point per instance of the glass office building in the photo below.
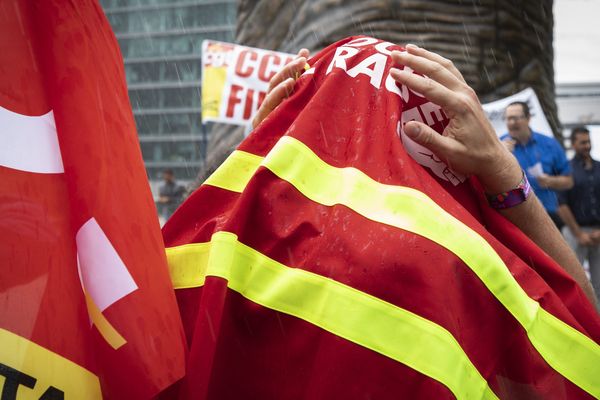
(161, 42)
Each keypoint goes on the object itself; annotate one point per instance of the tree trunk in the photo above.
(501, 47)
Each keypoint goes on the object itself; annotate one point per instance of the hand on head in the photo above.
(281, 86)
(469, 143)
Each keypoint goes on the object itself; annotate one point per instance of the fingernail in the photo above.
(397, 72)
(412, 130)
(414, 46)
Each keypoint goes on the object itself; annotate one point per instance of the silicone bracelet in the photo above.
(513, 197)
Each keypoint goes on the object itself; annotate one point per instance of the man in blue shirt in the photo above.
(580, 206)
(541, 157)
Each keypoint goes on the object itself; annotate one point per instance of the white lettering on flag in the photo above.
(103, 274)
(421, 154)
(29, 143)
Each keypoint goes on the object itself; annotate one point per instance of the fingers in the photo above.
(429, 88)
(303, 53)
(432, 69)
(446, 63)
(291, 70)
(444, 147)
(281, 85)
(273, 99)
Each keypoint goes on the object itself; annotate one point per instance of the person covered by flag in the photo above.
(343, 250)
(468, 144)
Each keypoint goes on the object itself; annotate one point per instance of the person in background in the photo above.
(580, 206)
(541, 157)
(170, 194)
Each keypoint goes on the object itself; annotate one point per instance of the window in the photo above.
(174, 18)
(168, 124)
(161, 42)
(159, 71)
(171, 151)
(183, 44)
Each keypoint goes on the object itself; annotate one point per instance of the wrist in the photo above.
(513, 197)
(506, 176)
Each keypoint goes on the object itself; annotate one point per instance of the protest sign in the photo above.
(495, 112)
(235, 80)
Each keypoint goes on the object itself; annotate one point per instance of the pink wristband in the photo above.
(511, 198)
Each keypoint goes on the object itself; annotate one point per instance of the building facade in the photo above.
(161, 43)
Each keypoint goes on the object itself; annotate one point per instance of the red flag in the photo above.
(332, 257)
(88, 310)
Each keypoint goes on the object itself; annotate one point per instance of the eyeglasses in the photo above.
(515, 118)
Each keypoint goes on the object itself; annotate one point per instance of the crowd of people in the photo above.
(569, 191)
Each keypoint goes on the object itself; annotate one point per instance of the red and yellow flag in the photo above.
(87, 310)
(330, 257)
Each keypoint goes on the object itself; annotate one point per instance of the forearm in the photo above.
(531, 218)
(559, 182)
(565, 213)
(471, 146)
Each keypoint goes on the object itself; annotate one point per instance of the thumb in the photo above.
(422, 134)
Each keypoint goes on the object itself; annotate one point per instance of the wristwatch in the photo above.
(511, 198)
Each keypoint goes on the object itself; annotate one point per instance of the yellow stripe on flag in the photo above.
(187, 264)
(568, 351)
(235, 172)
(46, 370)
(337, 308)
(108, 332)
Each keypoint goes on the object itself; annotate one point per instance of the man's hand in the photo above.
(595, 236)
(509, 143)
(584, 239)
(469, 143)
(544, 180)
(555, 182)
(281, 86)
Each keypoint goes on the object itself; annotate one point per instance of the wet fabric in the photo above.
(332, 257)
(86, 305)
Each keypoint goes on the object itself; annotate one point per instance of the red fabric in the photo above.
(240, 349)
(63, 56)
